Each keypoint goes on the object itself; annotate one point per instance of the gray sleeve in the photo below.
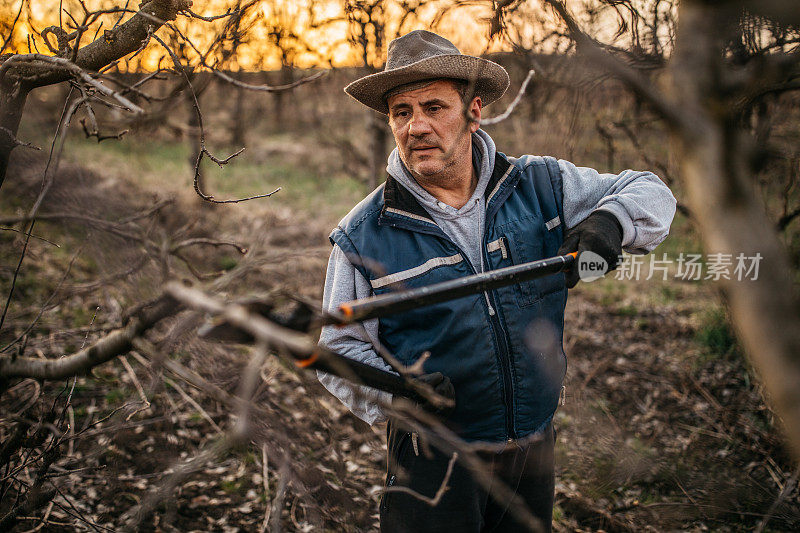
(342, 284)
(642, 203)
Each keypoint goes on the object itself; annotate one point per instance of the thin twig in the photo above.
(193, 403)
(265, 88)
(210, 242)
(37, 237)
(139, 389)
(434, 501)
(203, 151)
(265, 482)
(210, 18)
(512, 105)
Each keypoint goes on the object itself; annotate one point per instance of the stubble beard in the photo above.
(439, 175)
(442, 176)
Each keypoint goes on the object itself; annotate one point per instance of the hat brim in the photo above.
(490, 79)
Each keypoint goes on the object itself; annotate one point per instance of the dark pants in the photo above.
(466, 506)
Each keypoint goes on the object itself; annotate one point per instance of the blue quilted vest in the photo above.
(502, 349)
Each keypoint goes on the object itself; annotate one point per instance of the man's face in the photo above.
(430, 129)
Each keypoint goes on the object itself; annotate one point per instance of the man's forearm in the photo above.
(642, 203)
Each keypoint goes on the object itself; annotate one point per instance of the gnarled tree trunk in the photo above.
(718, 174)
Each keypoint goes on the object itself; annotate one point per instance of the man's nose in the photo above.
(419, 125)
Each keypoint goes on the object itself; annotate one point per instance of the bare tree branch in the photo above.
(115, 343)
(211, 18)
(113, 45)
(203, 151)
(671, 112)
(266, 88)
(512, 105)
(126, 39)
(34, 60)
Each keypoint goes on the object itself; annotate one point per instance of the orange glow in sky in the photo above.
(324, 35)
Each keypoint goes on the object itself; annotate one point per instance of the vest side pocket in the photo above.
(397, 446)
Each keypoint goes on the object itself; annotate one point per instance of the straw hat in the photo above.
(423, 55)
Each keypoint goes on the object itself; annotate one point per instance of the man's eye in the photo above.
(434, 108)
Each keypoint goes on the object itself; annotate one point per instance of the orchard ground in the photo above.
(664, 427)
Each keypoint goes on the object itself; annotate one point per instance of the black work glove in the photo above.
(442, 386)
(600, 233)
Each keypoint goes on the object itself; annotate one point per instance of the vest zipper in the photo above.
(489, 303)
(505, 353)
(500, 336)
(505, 366)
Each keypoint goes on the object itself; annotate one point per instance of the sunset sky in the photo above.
(322, 25)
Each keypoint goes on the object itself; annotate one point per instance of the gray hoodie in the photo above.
(642, 203)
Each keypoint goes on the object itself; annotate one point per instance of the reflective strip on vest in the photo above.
(427, 266)
(409, 215)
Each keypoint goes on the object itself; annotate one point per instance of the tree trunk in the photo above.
(721, 193)
(377, 160)
(193, 136)
(238, 126)
(12, 103)
(286, 77)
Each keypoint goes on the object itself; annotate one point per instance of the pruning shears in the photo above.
(397, 302)
(319, 358)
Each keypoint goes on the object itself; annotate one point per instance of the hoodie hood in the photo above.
(464, 226)
(483, 154)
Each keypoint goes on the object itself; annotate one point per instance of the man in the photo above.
(452, 206)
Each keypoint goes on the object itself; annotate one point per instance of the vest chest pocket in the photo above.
(526, 243)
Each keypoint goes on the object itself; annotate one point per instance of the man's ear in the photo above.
(475, 114)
